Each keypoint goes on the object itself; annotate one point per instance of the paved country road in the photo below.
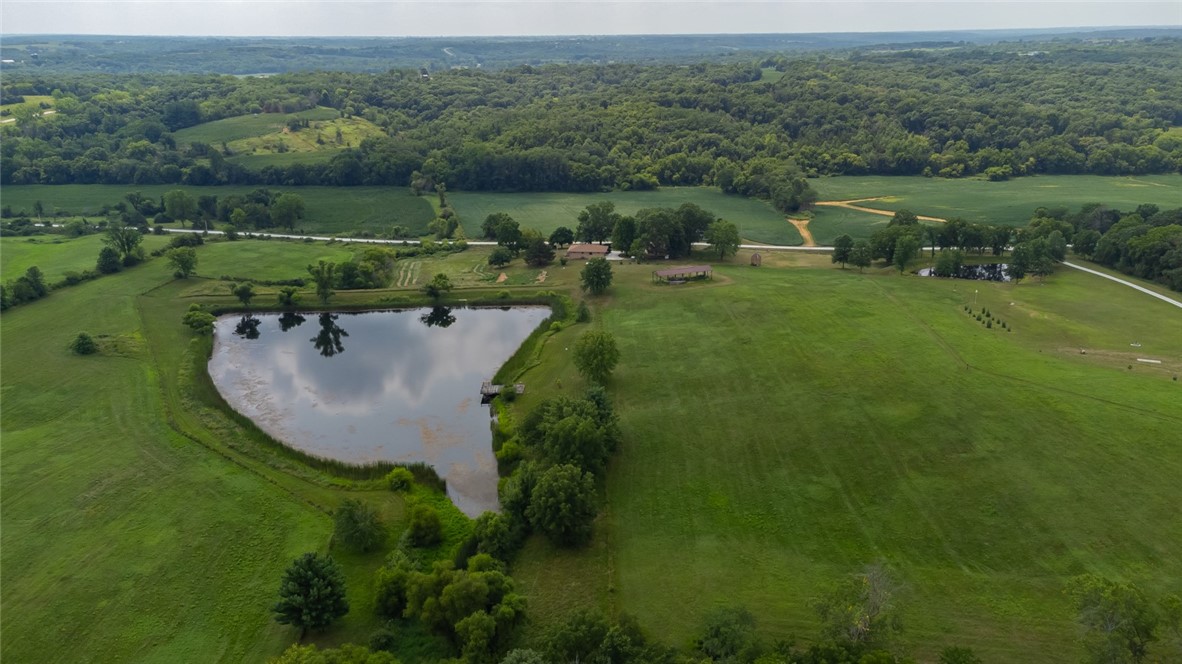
(761, 247)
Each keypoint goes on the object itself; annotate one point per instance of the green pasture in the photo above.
(122, 537)
(31, 101)
(56, 255)
(757, 220)
(248, 126)
(1010, 202)
(31, 104)
(271, 260)
(319, 135)
(770, 75)
(332, 210)
(784, 427)
(140, 522)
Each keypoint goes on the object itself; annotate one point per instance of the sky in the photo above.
(561, 17)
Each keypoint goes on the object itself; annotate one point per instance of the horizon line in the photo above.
(1175, 27)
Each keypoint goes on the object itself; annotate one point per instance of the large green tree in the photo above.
(723, 237)
(562, 505)
(324, 276)
(596, 222)
(906, 248)
(312, 594)
(860, 255)
(843, 246)
(1119, 621)
(500, 257)
(580, 432)
(180, 206)
(562, 236)
(538, 252)
(596, 355)
(596, 276)
(287, 210)
(183, 261)
(125, 240)
(439, 286)
(488, 227)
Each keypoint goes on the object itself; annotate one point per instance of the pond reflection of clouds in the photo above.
(399, 390)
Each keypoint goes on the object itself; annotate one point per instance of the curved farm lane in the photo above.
(802, 226)
(849, 205)
(1130, 284)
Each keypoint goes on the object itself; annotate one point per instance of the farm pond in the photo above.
(979, 272)
(400, 386)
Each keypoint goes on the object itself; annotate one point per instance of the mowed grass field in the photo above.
(1011, 202)
(55, 255)
(757, 220)
(332, 210)
(140, 524)
(785, 427)
(121, 537)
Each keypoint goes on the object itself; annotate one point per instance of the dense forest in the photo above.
(755, 129)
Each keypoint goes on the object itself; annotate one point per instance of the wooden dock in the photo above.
(488, 390)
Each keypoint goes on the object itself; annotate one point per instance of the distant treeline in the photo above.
(1071, 108)
(1145, 243)
(86, 54)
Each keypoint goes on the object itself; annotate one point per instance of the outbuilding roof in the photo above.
(584, 248)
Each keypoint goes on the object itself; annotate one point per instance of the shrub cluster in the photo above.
(476, 607)
(26, 288)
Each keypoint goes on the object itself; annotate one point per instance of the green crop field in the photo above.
(333, 210)
(1011, 202)
(757, 220)
(248, 126)
(785, 427)
(56, 255)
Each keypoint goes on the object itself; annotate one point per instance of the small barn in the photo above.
(583, 251)
(678, 275)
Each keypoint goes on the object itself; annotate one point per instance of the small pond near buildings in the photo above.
(982, 272)
(376, 386)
